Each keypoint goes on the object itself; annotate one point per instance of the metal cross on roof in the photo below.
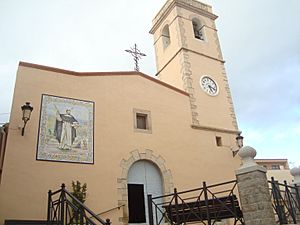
(137, 55)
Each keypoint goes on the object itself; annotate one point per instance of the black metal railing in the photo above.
(285, 201)
(206, 205)
(65, 209)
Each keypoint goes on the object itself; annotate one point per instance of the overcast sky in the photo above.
(260, 40)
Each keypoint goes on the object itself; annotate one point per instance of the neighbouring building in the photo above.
(277, 168)
(123, 132)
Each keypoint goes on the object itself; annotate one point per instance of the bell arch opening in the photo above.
(166, 36)
(198, 29)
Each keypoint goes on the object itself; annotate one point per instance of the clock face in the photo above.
(209, 85)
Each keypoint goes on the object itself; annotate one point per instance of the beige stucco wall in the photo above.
(214, 111)
(190, 155)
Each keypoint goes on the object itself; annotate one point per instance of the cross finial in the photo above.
(137, 55)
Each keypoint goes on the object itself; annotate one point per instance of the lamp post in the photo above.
(26, 109)
(239, 142)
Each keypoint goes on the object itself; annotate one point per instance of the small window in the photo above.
(142, 120)
(275, 167)
(219, 141)
(198, 29)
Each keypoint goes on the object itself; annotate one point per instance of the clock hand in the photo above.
(211, 88)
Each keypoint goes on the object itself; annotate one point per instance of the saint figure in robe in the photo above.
(65, 129)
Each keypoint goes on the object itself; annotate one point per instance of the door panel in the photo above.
(136, 203)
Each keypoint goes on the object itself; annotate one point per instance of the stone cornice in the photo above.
(192, 5)
(216, 129)
(250, 169)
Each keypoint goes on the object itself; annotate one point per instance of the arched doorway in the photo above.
(144, 178)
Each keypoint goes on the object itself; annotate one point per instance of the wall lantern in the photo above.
(239, 143)
(26, 109)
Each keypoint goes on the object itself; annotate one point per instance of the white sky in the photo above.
(260, 42)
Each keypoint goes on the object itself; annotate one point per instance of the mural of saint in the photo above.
(65, 129)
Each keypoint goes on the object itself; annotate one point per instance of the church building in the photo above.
(124, 134)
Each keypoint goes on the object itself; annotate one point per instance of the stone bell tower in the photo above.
(188, 56)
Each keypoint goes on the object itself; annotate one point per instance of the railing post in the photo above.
(297, 188)
(295, 172)
(176, 206)
(107, 221)
(62, 204)
(81, 215)
(206, 203)
(77, 215)
(150, 210)
(49, 210)
(290, 204)
(278, 206)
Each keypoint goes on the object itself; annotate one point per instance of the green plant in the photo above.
(79, 191)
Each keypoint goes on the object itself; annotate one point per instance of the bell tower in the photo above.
(188, 56)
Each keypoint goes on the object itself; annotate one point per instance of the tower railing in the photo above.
(65, 209)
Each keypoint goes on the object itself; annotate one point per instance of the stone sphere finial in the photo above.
(296, 174)
(247, 154)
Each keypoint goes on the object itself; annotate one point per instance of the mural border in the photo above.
(93, 131)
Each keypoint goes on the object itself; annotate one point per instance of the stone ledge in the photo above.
(250, 169)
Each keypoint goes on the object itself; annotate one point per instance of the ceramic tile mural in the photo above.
(66, 131)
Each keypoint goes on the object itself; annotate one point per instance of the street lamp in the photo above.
(239, 143)
(26, 109)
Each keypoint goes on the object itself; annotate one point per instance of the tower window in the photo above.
(198, 29)
(166, 36)
(142, 121)
(219, 141)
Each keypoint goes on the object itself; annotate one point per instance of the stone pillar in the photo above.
(296, 174)
(254, 191)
